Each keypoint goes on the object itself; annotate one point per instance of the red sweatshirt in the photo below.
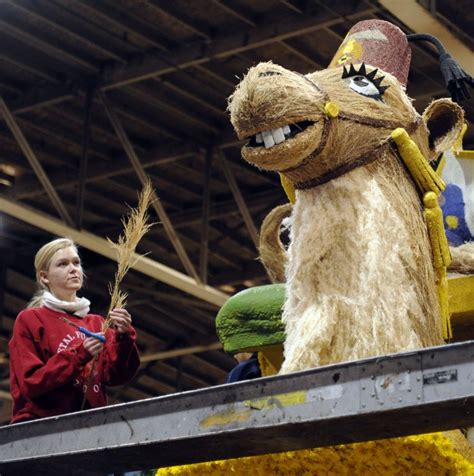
(49, 366)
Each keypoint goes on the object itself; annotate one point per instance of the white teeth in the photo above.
(273, 136)
(268, 139)
(278, 135)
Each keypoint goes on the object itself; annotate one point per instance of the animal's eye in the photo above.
(364, 83)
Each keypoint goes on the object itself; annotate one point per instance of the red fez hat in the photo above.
(377, 43)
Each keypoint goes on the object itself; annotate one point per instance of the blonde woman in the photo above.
(52, 348)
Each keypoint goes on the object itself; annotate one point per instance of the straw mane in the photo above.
(359, 274)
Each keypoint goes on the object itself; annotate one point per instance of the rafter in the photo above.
(241, 204)
(206, 205)
(154, 64)
(126, 22)
(42, 44)
(156, 204)
(420, 20)
(236, 12)
(34, 162)
(144, 265)
(223, 209)
(168, 354)
(178, 16)
(84, 159)
(45, 12)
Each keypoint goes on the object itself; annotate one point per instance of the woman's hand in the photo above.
(121, 320)
(92, 345)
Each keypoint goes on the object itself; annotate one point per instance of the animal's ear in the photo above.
(444, 120)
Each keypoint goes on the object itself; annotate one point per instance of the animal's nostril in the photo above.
(269, 73)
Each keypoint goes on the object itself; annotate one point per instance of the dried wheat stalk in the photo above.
(135, 225)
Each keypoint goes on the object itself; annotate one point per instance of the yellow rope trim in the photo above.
(431, 185)
(441, 255)
(289, 188)
(421, 171)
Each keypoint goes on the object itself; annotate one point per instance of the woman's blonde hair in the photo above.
(42, 261)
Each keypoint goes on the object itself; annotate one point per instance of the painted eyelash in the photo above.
(370, 76)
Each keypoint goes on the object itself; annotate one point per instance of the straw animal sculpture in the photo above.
(359, 267)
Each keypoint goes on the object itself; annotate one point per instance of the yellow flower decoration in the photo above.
(452, 221)
(424, 455)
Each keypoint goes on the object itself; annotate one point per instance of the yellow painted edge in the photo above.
(225, 418)
(281, 400)
(231, 415)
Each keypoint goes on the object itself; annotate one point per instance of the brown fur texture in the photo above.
(272, 252)
(360, 280)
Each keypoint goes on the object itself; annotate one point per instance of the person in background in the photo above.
(246, 369)
(55, 368)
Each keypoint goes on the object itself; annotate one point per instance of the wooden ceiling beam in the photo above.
(156, 204)
(36, 66)
(301, 55)
(238, 13)
(149, 65)
(170, 133)
(241, 204)
(206, 205)
(145, 96)
(34, 162)
(224, 209)
(421, 20)
(291, 6)
(161, 296)
(164, 371)
(4, 395)
(126, 22)
(184, 57)
(218, 77)
(178, 16)
(169, 354)
(58, 133)
(99, 245)
(38, 42)
(253, 271)
(217, 252)
(190, 95)
(44, 11)
(83, 164)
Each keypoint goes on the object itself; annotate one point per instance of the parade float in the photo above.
(368, 270)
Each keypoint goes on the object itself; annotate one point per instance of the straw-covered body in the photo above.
(359, 277)
(359, 272)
